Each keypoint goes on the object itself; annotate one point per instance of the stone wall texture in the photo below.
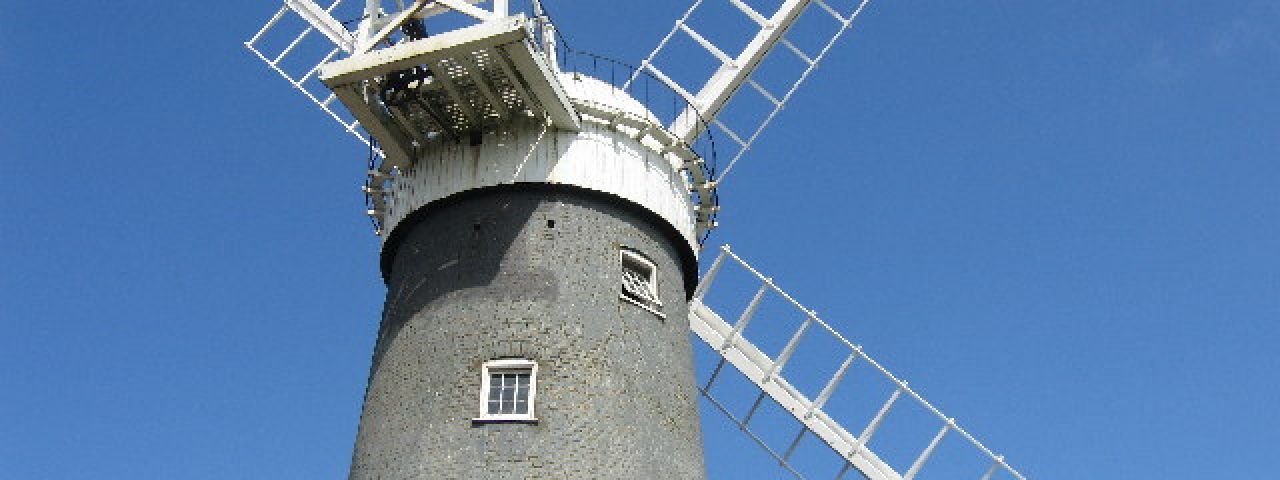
(532, 273)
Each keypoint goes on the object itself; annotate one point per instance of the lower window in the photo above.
(508, 389)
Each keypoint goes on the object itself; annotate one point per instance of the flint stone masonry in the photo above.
(532, 273)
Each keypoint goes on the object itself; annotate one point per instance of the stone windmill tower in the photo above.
(542, 212)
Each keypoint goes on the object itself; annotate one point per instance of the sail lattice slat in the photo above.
(297, 40)
(769, 375)
(738, 67)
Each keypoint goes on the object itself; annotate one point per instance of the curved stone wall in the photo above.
(535, 273)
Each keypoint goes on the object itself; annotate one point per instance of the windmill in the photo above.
(542, 212)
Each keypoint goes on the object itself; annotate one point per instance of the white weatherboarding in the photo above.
(510, 77)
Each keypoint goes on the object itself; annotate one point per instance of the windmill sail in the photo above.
(736, 70)
(407, 93)
(813, 410)
(292, 42)
(401, 87)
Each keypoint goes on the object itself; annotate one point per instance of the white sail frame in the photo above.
(736, 71)
(766, 373)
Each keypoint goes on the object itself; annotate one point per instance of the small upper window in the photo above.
(640, 281)
(508, 389)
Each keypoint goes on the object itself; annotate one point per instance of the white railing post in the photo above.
(830, 387)
(875, 422)
(790, 348)
(745, 318)
(270, 23)
(705, 284)
(366, 28)
(994, 467)
(928, 451)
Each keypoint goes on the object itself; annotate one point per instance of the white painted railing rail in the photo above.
(766, 373)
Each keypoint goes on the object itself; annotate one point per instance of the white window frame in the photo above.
(654, 305)
(507, 364)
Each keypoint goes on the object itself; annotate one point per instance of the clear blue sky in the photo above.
(1058, 220)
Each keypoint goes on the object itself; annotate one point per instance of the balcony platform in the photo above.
(459, 85)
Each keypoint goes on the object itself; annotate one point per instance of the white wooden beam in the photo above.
(755, 365)
(730, 76)
(392, 26)
(467, 8)
(324, 23)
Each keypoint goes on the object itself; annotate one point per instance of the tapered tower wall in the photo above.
(533, 271)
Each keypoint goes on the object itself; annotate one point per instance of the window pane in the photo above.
(638, 280)
(509, 390)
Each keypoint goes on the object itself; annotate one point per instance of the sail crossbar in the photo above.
(301, 73)
(736, 69)
(401, 86)
(767, 374)
(293, 49)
